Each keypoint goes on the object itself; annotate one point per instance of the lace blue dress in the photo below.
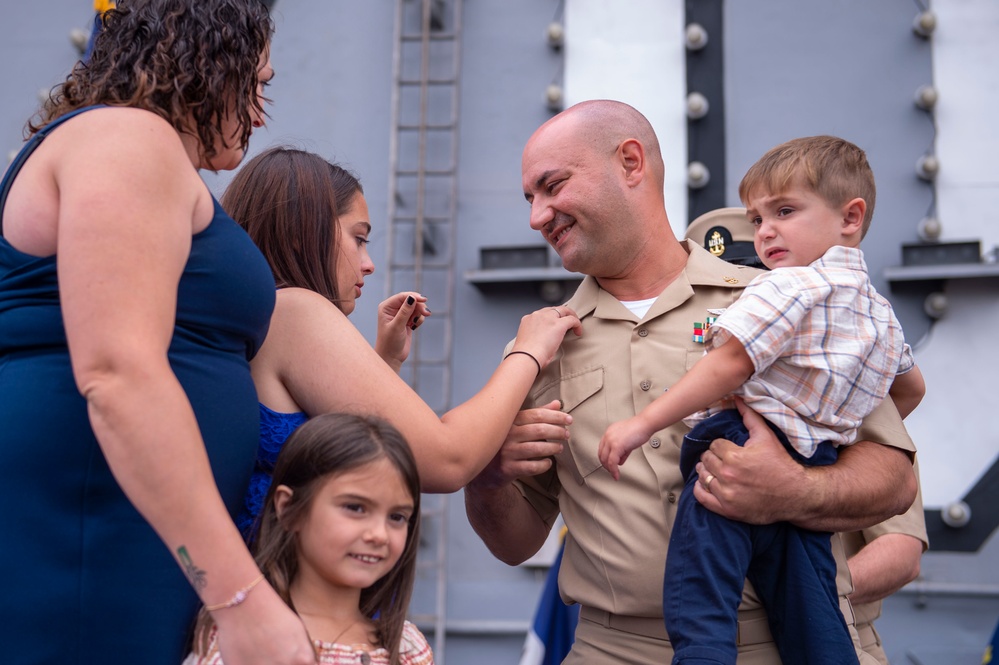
(87, 579)
(275, 428)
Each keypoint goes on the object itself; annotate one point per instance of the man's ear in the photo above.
(632, 156)
(853, 216)
(282, 497)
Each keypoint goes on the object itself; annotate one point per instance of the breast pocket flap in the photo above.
(579, 387)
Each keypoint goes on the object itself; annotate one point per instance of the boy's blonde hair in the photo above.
(833, 168)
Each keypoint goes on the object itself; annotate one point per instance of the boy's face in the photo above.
(795, 227)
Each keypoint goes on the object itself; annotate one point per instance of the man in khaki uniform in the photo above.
(594, 178)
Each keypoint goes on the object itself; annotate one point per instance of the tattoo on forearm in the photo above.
(195, 575)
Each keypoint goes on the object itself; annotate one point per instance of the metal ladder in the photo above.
(421, 235)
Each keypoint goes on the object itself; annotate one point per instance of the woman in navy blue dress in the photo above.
(130, 306)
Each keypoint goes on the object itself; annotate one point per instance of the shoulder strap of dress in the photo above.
(26, 150)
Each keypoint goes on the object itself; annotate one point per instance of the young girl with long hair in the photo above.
(338, 537)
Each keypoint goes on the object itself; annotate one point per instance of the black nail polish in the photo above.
(410, 300)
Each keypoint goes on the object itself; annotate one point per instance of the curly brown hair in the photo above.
(191, 62)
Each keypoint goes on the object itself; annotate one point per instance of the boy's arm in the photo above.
(907, 391)
(714, 376)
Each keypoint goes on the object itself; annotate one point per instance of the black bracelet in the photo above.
(536, 362)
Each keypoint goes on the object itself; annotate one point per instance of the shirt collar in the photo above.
(702, 269)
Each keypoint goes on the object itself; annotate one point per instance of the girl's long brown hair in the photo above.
(323, 447)
(289, 201)
(191, 62)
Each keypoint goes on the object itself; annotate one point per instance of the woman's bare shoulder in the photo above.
(301, 314)
(113, 126)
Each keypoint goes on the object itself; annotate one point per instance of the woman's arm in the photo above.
(122, 243)
(326, 365)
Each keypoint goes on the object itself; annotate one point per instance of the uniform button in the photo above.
(646, 385)
(655, 443)
(642, 332)
(671, 497)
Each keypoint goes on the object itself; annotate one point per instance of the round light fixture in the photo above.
(697, 106)
(935, 305)
(956, 514)
(553, 97)
(927, 167)
(79, 37)
(929, 229)
(924, 24)
(926, 97)
(555, 34)
(698, 175)
(695, 37)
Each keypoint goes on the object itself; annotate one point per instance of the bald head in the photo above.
(603, 125)
(594, 175)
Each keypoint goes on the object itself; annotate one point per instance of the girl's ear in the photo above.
(853, 216)
(282, 497)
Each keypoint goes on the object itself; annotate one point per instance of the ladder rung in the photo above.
(433, 172)
(431, 512)
(426, 218)
(434, 37)
(413, 82)
(424, 619)
(436, 127)
(423, 266)
(419, 362)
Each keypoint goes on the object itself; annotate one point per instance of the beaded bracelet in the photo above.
(526, 354)
(237, 598)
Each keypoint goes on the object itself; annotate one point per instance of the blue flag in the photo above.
(554, 628)
(993, 647)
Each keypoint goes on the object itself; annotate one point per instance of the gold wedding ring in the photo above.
(707, 482)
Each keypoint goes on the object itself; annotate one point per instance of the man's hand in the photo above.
(536, 435)
(758, 483)
(508, 524)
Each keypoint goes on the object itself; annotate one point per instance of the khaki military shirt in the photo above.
(618, 531)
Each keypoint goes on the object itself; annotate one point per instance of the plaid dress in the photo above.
(413, 650)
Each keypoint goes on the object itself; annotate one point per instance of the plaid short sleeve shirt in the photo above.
(825, 344)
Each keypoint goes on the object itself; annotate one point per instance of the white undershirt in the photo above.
(639, 307)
